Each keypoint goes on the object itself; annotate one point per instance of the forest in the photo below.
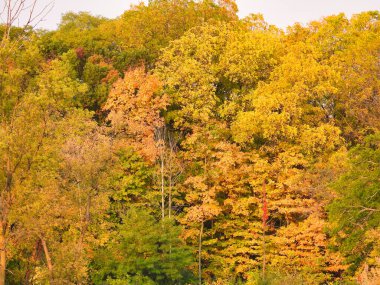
(181, 144)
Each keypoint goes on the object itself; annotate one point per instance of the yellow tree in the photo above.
(357, 103)
(134, 105)
(206, 74)
(291, 126)
(27, 121)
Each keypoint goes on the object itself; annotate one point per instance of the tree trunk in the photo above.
(48, 259)
(170, 194)
(170, 166)
(2, 256)
(162, 186)
(200, 254)
(3, 224)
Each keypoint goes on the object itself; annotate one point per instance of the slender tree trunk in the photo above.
(170, 164)
(170, 194)
(48, 259)
(2, 255)
(162, 186)
(200, 254)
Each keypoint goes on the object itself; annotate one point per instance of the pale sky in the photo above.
(281, 13)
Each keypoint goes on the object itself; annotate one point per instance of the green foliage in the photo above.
(274, 277)
(143, 250)
(131, 181)
(355, 213)
(156, 24)
(209, 69)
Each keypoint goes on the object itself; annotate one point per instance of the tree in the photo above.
(134, 105)
(354, 214)
(358, 97)
(143, 251)
(187, 69)
(99, 75)
(289, 122)
(208, 71)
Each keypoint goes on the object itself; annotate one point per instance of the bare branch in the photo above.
(364, 209)
(13, 10)
(40, 16)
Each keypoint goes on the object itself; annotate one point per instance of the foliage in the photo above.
(143, 250)
(179, 144)
(355, 214)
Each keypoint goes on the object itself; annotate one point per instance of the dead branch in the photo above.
(12, 13)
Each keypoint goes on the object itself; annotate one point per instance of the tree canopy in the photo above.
(179, 144)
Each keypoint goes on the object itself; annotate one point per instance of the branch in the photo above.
(14, 10)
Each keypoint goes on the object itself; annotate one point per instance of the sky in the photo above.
(281, 13)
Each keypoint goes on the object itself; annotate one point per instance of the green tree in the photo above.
(143, 251)
(355, 213)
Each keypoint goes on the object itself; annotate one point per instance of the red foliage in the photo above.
(80, 52)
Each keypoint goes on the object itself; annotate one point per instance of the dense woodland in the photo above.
(179, 144)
